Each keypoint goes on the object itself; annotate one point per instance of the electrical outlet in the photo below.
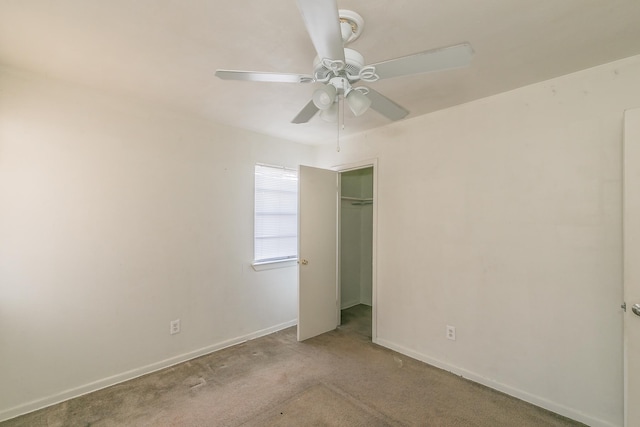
(451, 332)
(174, 326)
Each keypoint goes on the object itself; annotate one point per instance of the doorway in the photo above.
(356, 246)
(319, 246)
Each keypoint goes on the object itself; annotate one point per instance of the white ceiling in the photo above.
(167, 51)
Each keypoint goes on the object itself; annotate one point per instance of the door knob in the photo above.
(636, 309)
(304, 262)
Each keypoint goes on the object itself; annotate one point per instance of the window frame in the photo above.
(283, 260)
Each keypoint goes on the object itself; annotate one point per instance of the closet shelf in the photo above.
(358, 199)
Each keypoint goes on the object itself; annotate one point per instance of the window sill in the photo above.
(270, 265)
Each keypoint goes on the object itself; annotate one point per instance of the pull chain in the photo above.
(338, 130)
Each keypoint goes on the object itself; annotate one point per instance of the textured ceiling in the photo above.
(167, 51)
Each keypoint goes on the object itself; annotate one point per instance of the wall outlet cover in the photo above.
(451, 332)
(174, 326)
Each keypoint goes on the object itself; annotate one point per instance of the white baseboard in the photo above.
(134, 373)
(520, 394)
(349, 304)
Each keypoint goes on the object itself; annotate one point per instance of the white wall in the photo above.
(117, 217)
(356, 222)
(502, 217)
(350, 238)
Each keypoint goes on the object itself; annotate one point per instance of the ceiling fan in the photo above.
(340, 68)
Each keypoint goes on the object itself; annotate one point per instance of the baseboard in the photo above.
(520, 394)
(349, 304)
(41, 403)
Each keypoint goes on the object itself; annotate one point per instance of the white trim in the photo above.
(353, 304)
(270, 265)
(134, 373)
(363, 164)
(338, 250)
(349, 304)
(277, 166)
(511, 391)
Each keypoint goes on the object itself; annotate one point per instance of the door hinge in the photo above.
(624, 306)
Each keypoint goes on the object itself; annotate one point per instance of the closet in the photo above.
(356, 237)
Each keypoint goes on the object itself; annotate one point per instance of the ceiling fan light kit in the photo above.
(324, 97)
(339, 68)
(330, 115)
(358, 102)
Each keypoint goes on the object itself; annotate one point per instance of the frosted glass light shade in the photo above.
(323, 98)
(358, 102)
(330, 114)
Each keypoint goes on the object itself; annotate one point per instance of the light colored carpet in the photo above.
(336, 409)
(337, 379)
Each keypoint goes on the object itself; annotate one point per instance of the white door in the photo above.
(317, 252)
(631, 242)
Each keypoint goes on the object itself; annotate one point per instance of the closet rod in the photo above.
(358, 199)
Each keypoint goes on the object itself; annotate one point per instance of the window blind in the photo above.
(276, 214)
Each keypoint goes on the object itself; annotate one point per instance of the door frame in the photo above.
(347, 167)
(631, 249)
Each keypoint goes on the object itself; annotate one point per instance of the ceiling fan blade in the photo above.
(306, 113)
(323, 24)
(258, 76)
(385, 106)
(431, 60)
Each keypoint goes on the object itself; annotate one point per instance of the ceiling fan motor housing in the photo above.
(354, 62)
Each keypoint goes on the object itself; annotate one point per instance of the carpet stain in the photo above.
(398, 361)
(194, 382)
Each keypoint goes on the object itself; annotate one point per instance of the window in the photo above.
(276, 214)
